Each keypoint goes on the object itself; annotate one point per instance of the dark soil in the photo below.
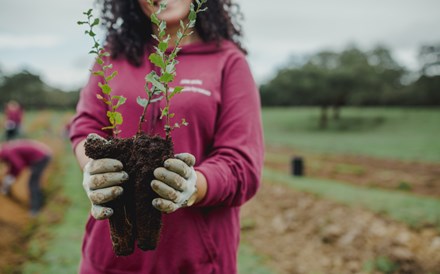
(134, 217)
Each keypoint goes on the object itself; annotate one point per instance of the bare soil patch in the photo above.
(299, 233)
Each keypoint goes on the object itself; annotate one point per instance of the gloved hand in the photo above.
(175, 183)
(101, 180)
(7, 182)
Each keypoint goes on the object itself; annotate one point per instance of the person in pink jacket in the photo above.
(220, 152)
(17, 155)
(13, 119)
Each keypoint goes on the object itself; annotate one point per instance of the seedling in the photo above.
(113, 101)
(158, 85)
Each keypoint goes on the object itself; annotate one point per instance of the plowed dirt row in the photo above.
(416, 177)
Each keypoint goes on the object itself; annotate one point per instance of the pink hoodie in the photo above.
(20, 154)
(14, 114)
(220, 101)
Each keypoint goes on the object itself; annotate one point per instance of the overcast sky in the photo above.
(43, 37)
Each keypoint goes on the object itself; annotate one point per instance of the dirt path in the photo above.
(300, 233)
(13, 221)
(416, 177)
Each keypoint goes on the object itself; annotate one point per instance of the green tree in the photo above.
(332, 79)
(32, 93)
(429, 58)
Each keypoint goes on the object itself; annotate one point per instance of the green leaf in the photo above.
(152, 77)
(179, 34)
(164, 112)
(106, 89)
(161, 33)
(118, 118)
(109, 127)
(174, 54)
(157, 60)
(175, 91)
(192, 14)
(143, 102)
(156, 99)
(111, 76)
(111, 117)
(95, 22)
(178, 89)
(121, 100)
(154, 19)
(99, 60)
(170, 68)
(114, 117)
(163, 46)
(162, 25)
(162, 7)
(155, 37)
(98, 73)
(166, 77)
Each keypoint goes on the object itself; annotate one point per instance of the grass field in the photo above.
(404, 134)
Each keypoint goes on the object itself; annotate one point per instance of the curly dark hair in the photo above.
(129, 31)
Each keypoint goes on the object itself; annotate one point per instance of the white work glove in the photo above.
(101, 180)
(175, 183)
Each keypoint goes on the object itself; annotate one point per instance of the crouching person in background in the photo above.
(15, 156)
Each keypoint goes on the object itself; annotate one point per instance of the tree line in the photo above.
(353, 77)
(329, 79)
(32, 93)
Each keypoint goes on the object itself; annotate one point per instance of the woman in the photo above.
(221, 103)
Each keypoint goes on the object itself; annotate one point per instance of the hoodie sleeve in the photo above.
(233, 168)
(15, 161)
